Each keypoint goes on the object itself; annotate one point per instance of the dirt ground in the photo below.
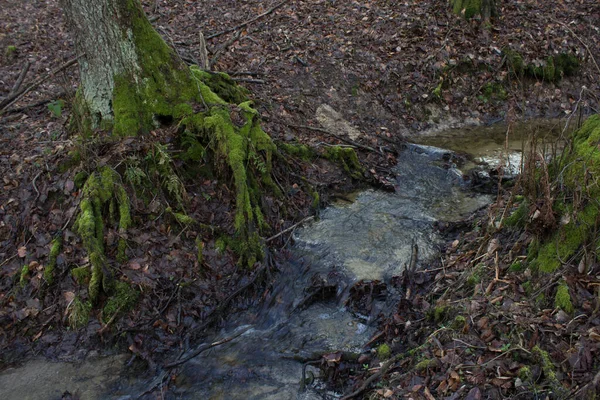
(394, 70)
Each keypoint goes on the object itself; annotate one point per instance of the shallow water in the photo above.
(370, 238)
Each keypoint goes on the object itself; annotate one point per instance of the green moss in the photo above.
(221, 245)
(525, 374)
(528, 288)
(81, 274)
(545, 362)
(562, 299)
(515, 62)
(124, 221)
(493, 91)
(55, 247)
(383, 351)
(121, 301)
(439, 314)
(24, 276)
(476, 275)
(517, 266)
(566, 63)
(10, 51)
(80, 179)
(346, 157)
(426, 364)
(579, 169)
(301, 151)
(180, 217)
(222, 85)
(469, 7)
(100, 189)
(73, 159)
(518, 218)
(459, 322)
(79, 313)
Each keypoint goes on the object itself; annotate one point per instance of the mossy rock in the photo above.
(345, 157)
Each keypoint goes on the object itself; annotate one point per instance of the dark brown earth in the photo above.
(378, 63)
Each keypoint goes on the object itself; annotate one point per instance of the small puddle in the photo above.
(370, 238)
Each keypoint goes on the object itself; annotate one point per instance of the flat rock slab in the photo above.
(333, 121)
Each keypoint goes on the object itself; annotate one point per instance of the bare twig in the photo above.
(19, 81)
(205, 347)
(343, 139)
(248, 80)
(243, 24)
(291, 228)
(582, 42)
(220, 51)
(16, 97)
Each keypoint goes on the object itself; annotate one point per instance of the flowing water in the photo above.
(368, 238)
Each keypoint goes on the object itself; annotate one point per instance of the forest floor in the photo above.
(394, 70)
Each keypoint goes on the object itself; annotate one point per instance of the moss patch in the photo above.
(100, 189)
(552, 69)
(79, 313)
(81, 275)
(470, 8)
(24, 276)
(123, 299)
(562, 299)
(384, 351)
(55, 247)
(346, 157)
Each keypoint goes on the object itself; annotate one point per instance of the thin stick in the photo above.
(343, 139)
(243, 24)
(204, 348)
(291, 228)
(582, 42)
(218, 53)
(248, 80)
(12, 100)
(19, 81)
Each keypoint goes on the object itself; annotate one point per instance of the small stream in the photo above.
(368, 237)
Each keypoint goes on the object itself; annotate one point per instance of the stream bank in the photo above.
(320, 303)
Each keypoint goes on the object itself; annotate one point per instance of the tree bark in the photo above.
(125, 65)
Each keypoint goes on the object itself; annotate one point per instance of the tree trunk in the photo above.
(130, 80)
(470, 8)
(128, 73)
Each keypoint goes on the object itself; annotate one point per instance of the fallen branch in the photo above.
(205, 347)
(582, 42)
(343, 139)
(10, 100)
(248, 80)
(243, 24)
(15, 89)
(220, 51)
(291, 228)
(222, 305)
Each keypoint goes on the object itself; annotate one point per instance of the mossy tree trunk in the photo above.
(470, 8)
(128, 73)
(130, 80)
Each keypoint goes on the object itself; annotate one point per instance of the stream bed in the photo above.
(368, 237)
